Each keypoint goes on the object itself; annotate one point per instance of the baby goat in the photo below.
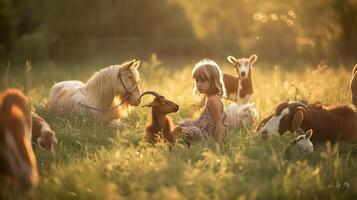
(160, 107)
(42, 135)
(241, 115)
(329, 123)
(240, 88)
(354, 85)
(301, 145)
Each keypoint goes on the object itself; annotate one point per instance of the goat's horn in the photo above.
(298, 104)
(150, 92)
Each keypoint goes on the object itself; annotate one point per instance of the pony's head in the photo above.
(128, 82)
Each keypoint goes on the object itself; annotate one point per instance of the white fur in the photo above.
(241, 115)
(304, 144)
(272, 126)
(244, 67)
(101, 91)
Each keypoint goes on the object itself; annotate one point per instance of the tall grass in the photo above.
(94, 161)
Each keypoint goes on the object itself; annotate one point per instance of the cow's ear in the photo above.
(297, 119)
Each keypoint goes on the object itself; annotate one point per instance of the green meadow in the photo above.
(97, 161)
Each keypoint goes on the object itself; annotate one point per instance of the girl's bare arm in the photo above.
(215, 107)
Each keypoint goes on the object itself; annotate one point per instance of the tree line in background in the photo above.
(274, 29)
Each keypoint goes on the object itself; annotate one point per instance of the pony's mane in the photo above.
(102, 82)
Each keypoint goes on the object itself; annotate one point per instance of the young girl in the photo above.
(213, 121)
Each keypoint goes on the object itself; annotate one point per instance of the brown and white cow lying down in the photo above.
(354, 85)
(17, 160)
(329, 123)
(42, 135)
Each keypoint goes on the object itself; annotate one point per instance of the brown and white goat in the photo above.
(354, 85)
(17, 159)
(42, 135)
(240, 88)
(160, 122)
(329, 123)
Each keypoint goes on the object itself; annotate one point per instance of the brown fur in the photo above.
(247, 87)
(232, 85)
(332, 123)
(160, 122)
(163, 125)
(15, 117)
(354, 85)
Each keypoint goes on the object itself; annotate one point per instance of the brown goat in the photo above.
(17, 160)
(160, 122)
(329, 123)
(240, 88)
(42, 135)
(354, 85)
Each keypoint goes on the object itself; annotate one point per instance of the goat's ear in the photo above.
(149, 104)
(297, 119)
(308, 134)
(253, 58)
(232, 59)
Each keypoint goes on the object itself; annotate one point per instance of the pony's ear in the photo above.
(297, 119)
(251, 104)
(232, 59)
(128, 64)
(354, 70)
(308, 134)
(137, 64)
(253, 58)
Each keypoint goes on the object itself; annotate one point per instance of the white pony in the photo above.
(104, 97)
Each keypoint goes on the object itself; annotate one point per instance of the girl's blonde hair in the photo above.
(208, 70)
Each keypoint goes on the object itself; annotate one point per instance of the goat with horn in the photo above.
(160, 122)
